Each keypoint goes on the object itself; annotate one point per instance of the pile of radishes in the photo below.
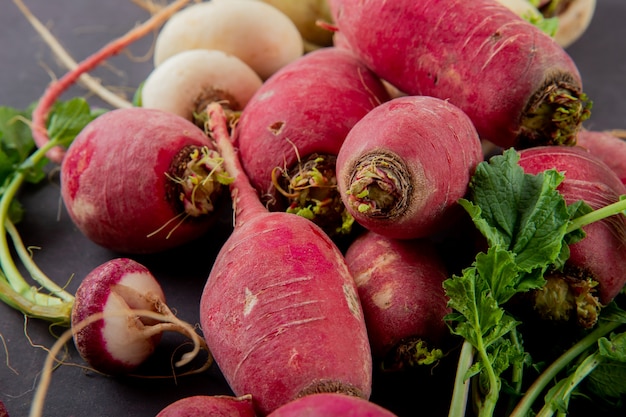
(344, 164)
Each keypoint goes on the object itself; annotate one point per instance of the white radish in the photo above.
(186, 82)
(305, 14)
(257, 33)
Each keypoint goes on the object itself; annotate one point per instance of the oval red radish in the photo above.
(280, 310)
(517, 85)
(331, 405)
(403, 300)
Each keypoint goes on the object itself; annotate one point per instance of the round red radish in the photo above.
(403, 300)
(595, 268)
(331, 405)
(137, 180)
(405, 164)
(121, 341)
(210, 406)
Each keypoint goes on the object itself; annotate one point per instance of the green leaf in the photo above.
(68, 118)
(521, 212)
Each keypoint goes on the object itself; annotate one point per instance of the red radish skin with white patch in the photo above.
(601, 255)
(403, 300)
(210, 406)
(118, 343)
(280, 311)
(518, 86)
(130, 181)
(331, 405)
(314, 102)
(405, 164)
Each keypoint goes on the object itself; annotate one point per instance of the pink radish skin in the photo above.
(210, 406)
(314, 102)
(331, 405)
(608, 147)
(117, 344)
(404, 165)
(121, 181)
(508, 76)
(401, 292)
(601, 255)
(280, 311)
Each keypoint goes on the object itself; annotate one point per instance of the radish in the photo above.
(257, 33)
(121, 340)
(330, 405)
(607, 146)
(404, 165)
(210, 406)
(305, 14)
(574, 17)
(280, 311)
(515, 83)
(402, 296)
(289, 153)
(186, 82)
(141, 180)
(594, 273)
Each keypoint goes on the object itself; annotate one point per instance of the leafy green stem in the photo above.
(597, 214)
(547, 376)
(29, 301)
(33, 269)
(460, 391)
(566, 387)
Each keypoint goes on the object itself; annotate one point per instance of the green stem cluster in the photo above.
(55, 304)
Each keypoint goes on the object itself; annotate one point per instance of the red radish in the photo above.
(607, 146)
(141, 180)
(280, 311)
(292, 149)
(401, 292)
(405, 164)
(210, 406)
(519, 87)
(121, 340)
(594, 272)
(331, 405)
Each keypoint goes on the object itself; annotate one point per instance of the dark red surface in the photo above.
(83, 27)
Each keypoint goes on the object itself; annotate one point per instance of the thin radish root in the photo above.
(93, 84)
(166, 320)
(56, 88)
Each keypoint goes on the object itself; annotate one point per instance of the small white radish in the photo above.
(186, 82)
(259, 34)
(305, 14)
(120, 339)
